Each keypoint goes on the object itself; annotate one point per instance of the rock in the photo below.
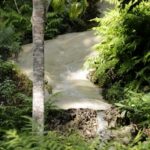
(82, 120)
(113, 116)
(110, 120)
(147, 132)
(91, 123)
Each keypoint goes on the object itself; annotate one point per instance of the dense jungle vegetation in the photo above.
(121, 67)
(61, 17)
(122, 64)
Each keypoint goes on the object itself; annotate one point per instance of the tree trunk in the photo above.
(38, 16)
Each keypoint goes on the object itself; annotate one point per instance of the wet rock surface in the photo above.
(114, 130)
(91, 123)
(83, 121)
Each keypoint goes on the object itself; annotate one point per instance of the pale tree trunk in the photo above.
(38, 17)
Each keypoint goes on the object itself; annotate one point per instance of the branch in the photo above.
(17, 6)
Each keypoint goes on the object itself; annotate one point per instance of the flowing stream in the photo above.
(64, 60)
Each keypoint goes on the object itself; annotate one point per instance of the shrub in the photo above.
(123, 55)
(117, 146)
(51, 140)
(19, 21)
(122, 61)
(137, 108)
(63, 16)
(9, 44)
(53, 25)
(15, 96)
(55, 141)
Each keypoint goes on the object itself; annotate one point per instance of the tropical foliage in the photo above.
(15, 96)
(61, 16)
(123, 55)
(51, 141)
(9, 42)
(121, 64)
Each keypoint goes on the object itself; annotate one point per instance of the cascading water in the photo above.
(64, 59)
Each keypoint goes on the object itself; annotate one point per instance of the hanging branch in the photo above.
(17, 6)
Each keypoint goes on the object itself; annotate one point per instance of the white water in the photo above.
(64, 59)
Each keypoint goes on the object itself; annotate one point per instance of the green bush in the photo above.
(9, 43)
(51, 141)
(117, 146)
(8, 71)
(123, 59)
(123, 55)
(53, 25)
(15, 96)
(19, 21)
(55, 141)
(63, 16)
(137, 108)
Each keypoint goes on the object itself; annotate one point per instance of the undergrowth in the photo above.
(51, 141)
(137, 108)
(133, 146)
(15, 96)
(9, 42)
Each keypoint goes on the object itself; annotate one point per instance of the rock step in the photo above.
(90, 124)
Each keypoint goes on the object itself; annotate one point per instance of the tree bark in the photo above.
(38, 16)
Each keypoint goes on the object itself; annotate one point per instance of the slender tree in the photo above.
(38, 17)
(40, 7)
